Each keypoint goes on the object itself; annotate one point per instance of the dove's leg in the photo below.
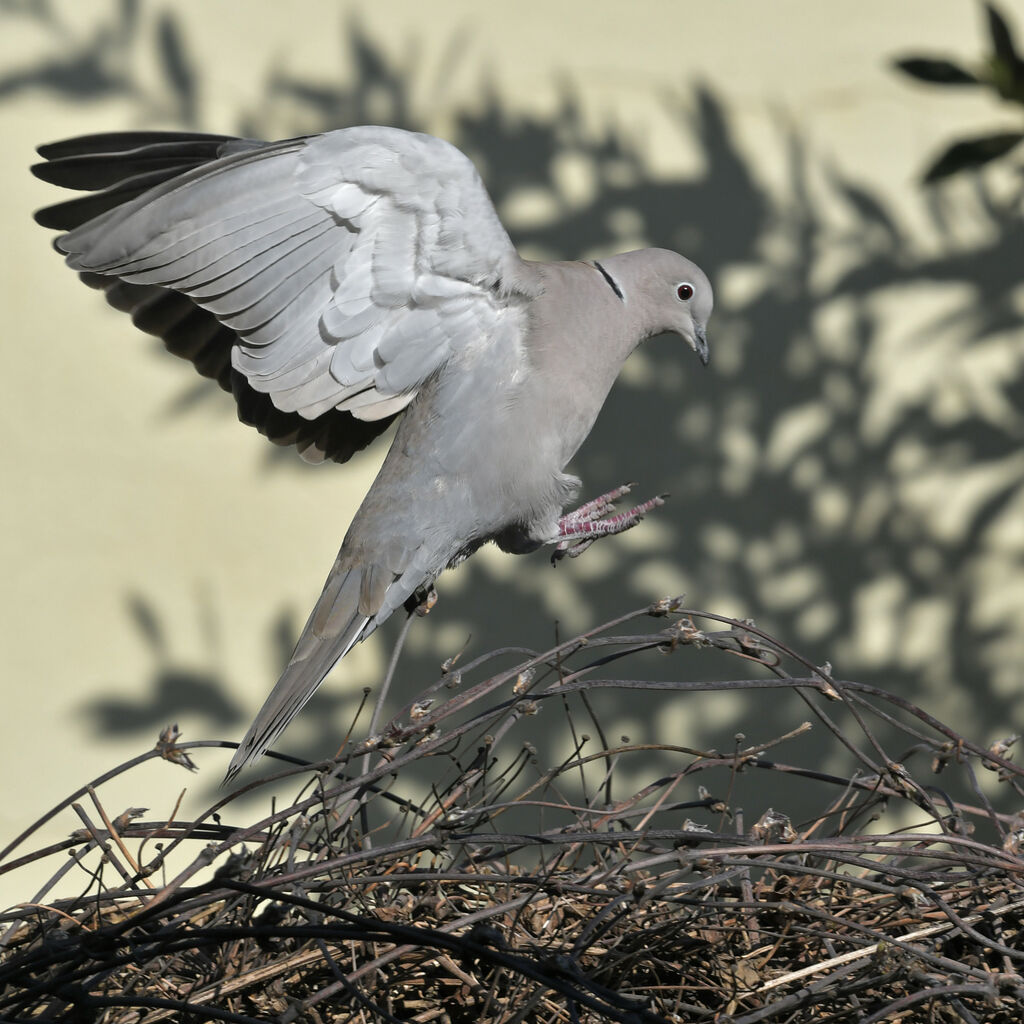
(581, 527)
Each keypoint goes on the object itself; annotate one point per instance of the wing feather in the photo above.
(345, 267)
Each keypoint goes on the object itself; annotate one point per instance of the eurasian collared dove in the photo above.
(333, 281)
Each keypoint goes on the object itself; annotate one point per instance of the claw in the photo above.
(570, 549)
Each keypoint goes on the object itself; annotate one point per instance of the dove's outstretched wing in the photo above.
(321, 279)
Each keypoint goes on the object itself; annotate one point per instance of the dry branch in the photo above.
(356, 902)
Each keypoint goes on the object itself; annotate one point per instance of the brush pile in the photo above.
(520, 892)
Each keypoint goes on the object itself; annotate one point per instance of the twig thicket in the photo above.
(518, 893)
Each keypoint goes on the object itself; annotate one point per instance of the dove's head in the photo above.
(673, 293)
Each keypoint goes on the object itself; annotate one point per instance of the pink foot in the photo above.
(581, 527)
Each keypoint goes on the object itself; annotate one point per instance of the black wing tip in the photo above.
(47, 218)
(117, 142)
(45, 171)
(336, 435)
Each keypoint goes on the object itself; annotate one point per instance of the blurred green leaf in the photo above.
(972, 153)
(1002, 39)
(935, 71)
(1002, 70)
(1006, 66)
(1007, 78)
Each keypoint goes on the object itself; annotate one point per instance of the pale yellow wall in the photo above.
(108, 492)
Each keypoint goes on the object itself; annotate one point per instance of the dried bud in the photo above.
(827, 689)
(665, 605)
(1014, 842)
(773, 827)
(420, 709)
(523, 681)
(694, 826)
(1001, 748)
(169, 750)
(126, 817)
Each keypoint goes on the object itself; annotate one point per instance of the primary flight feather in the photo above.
(335, 281)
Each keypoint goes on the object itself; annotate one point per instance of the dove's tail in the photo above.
(349, 609)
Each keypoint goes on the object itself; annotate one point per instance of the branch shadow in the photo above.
(845, 476)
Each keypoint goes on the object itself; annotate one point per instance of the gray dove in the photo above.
(334, 282)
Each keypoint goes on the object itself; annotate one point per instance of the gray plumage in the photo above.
(335, 281)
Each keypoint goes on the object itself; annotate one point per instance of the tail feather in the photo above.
(334, 627)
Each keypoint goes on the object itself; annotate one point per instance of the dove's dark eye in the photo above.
(685, 291)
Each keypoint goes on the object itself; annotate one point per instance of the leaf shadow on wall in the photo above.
(847, 472)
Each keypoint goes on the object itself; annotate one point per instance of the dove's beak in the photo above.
(700, 344)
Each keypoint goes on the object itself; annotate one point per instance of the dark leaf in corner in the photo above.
(1002, 40)
(936, 71)
(1007, 67)
(972, 153)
